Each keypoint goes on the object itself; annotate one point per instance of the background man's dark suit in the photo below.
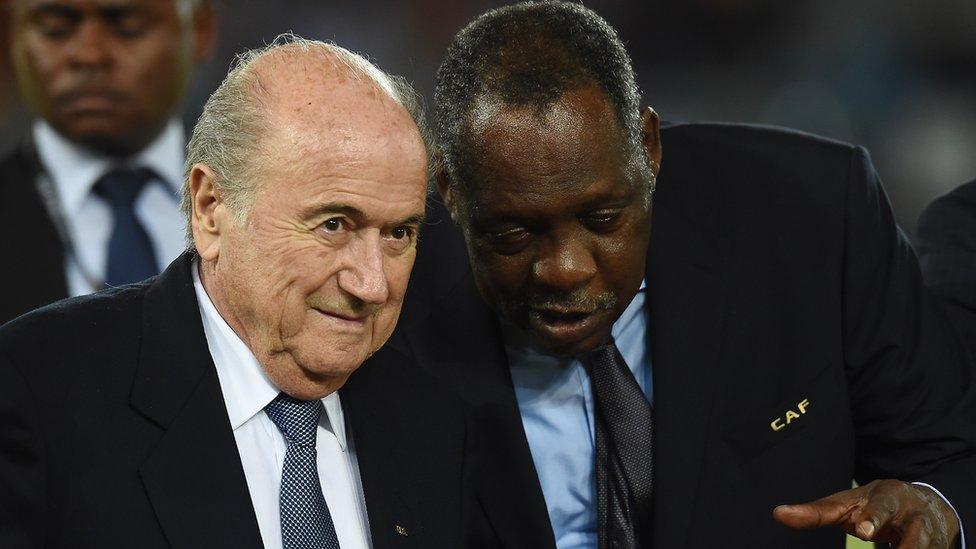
(115, 432)
(947, 253)
(776, 275)
(34, 274)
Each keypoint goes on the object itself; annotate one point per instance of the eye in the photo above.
(602, 219)
(130, 23)
(333, 225)
(56, 24)
(402, 237)
(509, 241)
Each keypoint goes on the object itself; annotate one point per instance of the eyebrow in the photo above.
(53, 8)
(333, 208)
(354, 213)
(416, 219)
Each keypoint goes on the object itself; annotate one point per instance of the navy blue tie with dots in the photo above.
(305, 519)
(624, 466)
(130, 252)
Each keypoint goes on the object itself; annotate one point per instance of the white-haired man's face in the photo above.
(314, 279)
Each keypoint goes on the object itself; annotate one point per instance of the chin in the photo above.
(335, 362)
(331, 367)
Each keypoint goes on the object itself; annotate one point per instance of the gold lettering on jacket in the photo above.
(791, 416)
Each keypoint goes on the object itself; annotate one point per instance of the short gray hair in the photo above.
(226, 136)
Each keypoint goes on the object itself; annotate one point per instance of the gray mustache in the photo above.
(576, 300)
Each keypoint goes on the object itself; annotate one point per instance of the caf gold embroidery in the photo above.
(791, 416)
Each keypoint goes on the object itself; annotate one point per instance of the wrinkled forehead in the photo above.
(574, 139)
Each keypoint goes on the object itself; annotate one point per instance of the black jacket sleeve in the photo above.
(22, 467)
(913, 392)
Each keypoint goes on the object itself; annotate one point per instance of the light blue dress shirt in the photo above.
(556, 404)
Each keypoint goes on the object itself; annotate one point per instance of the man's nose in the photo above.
(567, 264)
(91, 47)
(364, 276)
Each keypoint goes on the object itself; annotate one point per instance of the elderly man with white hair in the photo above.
(226, 403)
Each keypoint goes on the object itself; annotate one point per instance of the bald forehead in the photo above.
(303, 87)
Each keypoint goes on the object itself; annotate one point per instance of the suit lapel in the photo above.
(460, 341)
(375, 429)
(686, 309)
(37, 245)
(194, 477)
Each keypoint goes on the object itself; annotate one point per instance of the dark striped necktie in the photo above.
(624, 460)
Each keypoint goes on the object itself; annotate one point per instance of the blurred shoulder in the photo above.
(959, 203)
(76, 326)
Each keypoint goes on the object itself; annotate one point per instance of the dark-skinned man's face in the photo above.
(106, 74)
(556, 216)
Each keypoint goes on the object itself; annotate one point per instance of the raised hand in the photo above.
(903, 514)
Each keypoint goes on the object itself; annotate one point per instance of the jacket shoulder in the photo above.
(76, 326)
(750, 167)
(728, 136)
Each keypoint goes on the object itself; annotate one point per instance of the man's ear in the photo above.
(204, 31)
(208, 215)
(446, 188)
(651, 138)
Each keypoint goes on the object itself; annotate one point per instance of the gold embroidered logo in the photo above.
(791, 416)
(400, 529)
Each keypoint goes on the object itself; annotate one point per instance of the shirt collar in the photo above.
(243, 382)
(74, 169)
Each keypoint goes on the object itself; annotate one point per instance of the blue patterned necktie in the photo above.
(130, 252)
(305, 519)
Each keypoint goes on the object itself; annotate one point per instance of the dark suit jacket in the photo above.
(34, 270)
(776, 274)
(947, 252)
(113, 432)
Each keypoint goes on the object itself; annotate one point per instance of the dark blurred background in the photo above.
(896, 76)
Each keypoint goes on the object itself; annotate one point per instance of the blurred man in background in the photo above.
(947, 252)
(668, 380)
(222, 403)
(91, 197)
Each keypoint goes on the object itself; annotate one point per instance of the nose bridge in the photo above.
(565, 262)
(363, 274)
(91, 42)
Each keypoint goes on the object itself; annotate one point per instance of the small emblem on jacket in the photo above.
(791, 416)
(400, 529)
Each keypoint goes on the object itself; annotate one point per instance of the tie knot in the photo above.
(296, 419)
(120, 186)
(602, 357)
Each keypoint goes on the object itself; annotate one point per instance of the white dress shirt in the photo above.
(247, 390)
(72, 172)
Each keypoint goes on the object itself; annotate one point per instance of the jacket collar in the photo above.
(193, 477)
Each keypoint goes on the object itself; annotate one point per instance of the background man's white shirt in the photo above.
(73, 171)
(247, 390)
